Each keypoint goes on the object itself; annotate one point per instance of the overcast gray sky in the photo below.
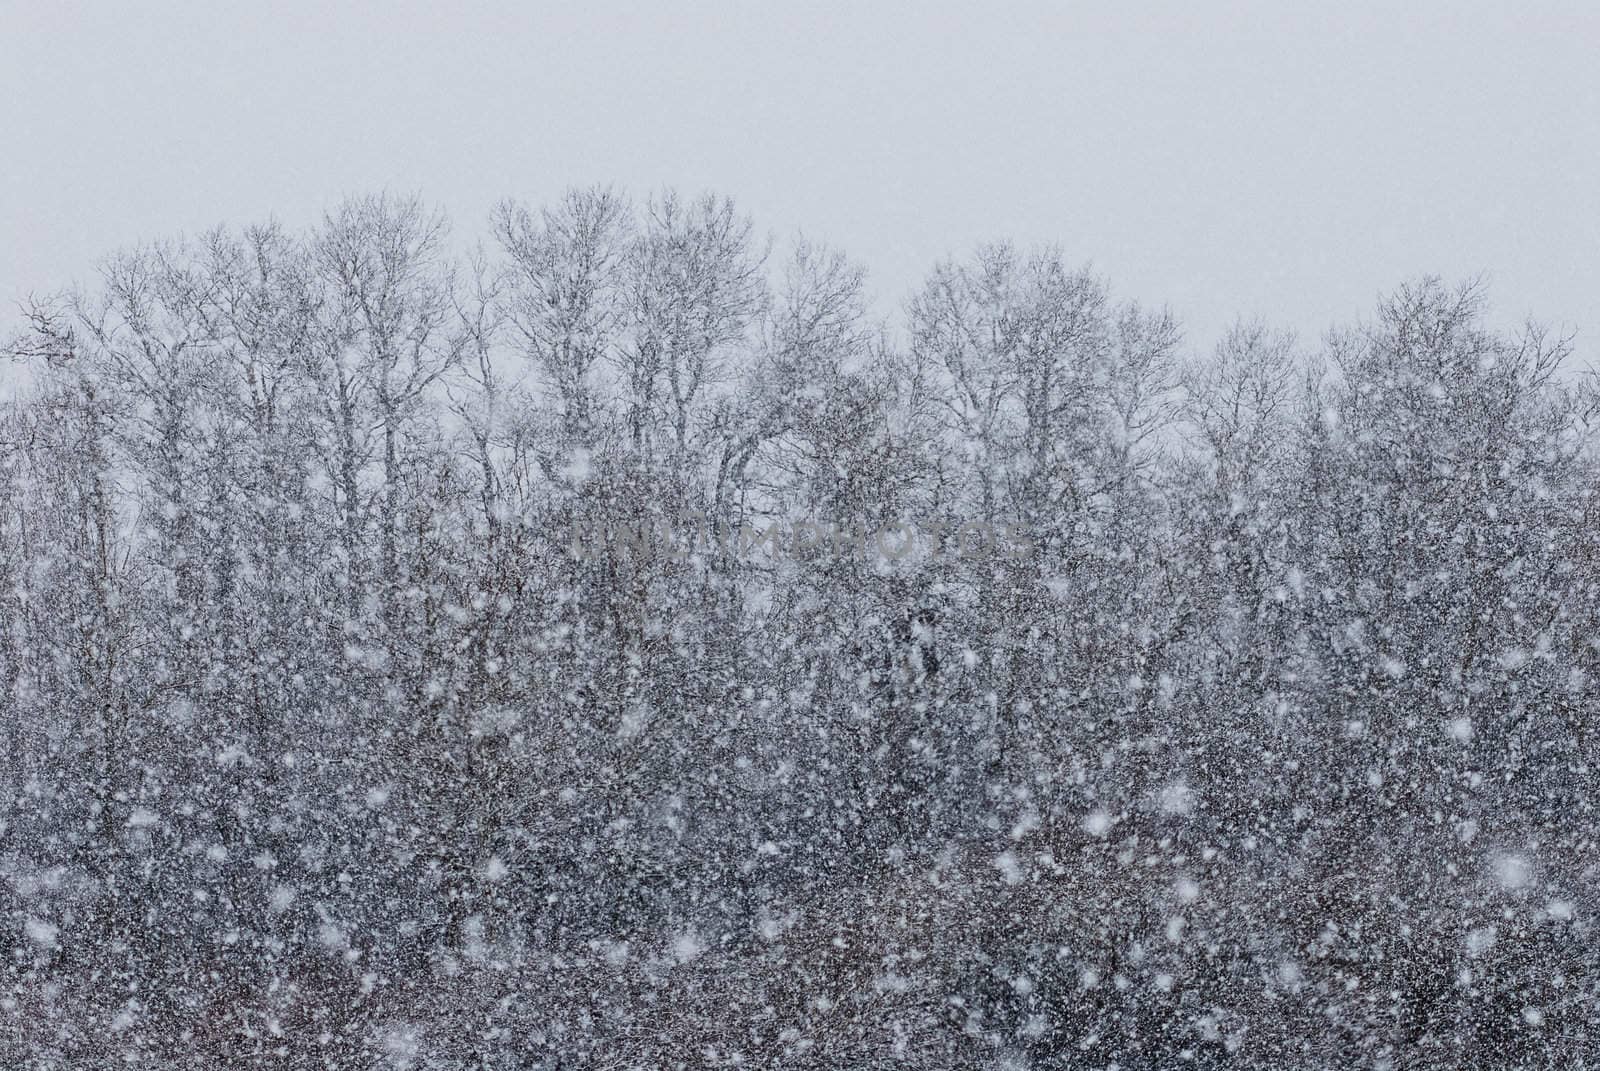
(1288, 160)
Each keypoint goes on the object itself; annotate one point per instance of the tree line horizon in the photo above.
(1273, 744)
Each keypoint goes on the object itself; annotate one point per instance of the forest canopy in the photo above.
(1275, 748)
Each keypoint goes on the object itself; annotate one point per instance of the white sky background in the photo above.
(1288, 160)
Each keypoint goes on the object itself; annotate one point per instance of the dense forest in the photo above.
(1272, 745)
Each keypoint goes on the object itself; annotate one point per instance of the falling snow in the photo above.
(1265, 738)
